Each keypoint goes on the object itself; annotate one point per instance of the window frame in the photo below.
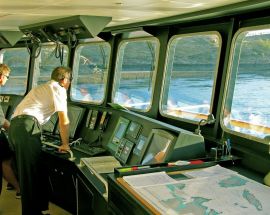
(49, 44)
(27, 70)
(77, 70)
(215, 75)
(154, 75)
(226, 89)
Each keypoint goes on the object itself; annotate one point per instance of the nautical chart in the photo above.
(218, 194)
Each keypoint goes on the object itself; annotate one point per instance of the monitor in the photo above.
(120, 131)
(49, 126)
(118, 134)
(187, 146)
(75, 114)
(157, 146)
(133, 130)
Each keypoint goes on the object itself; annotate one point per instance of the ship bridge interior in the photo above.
(153, 83)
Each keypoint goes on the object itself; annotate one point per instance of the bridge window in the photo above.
(190, 74)
(247, 105)
(90, 72)
(48, 58)
(135, 73)
(18, 61)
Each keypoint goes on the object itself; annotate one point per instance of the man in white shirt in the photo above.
(25, 133)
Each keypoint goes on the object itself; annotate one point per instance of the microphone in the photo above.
(210, 120)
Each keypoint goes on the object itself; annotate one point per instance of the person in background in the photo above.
(25, 134)
(6, 153)
(85, 94)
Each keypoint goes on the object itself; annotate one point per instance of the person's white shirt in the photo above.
(43, 101)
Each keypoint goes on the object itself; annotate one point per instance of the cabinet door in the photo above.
(61, 181)
(63, 191)
(85, 198)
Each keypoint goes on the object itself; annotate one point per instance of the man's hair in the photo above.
(4, 68)
(61, 72)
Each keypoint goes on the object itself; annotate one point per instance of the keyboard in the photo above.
(90, 150)
(51, 139)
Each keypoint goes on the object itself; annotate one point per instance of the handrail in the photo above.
(179, 112)
(72, 158)
(247, 125)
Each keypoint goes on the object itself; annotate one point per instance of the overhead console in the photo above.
(66, 29)
(9, 38)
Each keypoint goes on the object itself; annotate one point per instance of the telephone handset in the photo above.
(88, 118)
(104, 120)
(93, 119)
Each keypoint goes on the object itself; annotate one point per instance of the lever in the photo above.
(72, 158)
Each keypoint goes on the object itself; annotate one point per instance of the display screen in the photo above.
(140, 146)
(49, 126)
(121, 130)
(75, 115)
(158, 146)
(133, 130)
(118, 134)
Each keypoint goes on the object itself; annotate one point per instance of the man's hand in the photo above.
(63, 148)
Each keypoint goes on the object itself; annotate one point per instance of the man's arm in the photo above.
(64, 130)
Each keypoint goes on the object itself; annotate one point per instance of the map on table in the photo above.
(218, 194)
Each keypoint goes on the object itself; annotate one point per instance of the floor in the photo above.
(9, 205)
